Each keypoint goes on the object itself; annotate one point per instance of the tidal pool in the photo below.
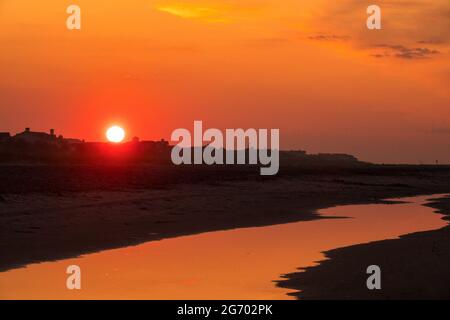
(232, 264)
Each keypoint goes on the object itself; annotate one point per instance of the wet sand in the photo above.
(46, 215)
(416, 266)
(233, 264)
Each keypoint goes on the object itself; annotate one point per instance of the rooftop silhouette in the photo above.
(48, 147)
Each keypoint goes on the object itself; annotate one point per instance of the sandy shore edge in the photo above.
(415, 266)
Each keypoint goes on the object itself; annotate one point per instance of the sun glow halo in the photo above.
(115, 134)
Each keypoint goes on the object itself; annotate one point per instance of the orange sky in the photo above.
(310, 68)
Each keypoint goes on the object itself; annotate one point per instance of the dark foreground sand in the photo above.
(51, 213)
(416, 266)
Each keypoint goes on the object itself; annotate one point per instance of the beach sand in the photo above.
(416, 266)
(54, 213)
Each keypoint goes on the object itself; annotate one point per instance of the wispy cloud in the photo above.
(192, 11)
(430, 42)
(438, 129)
(329, 37)
(416, 29)
(400, 51)
(210, 10)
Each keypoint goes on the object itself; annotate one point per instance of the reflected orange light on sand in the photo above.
(235, 264)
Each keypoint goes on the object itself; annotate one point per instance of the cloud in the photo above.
(403, 52)
(443, 129)
(329, 37)
(268, 42)
(431, 41)
(209, 10)
(191, 11)
(419, 29)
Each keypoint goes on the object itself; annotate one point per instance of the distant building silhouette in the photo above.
(33, 146)
(4, 136)
(29, 136)
(46, 147)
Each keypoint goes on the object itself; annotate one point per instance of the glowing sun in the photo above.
(115, 134)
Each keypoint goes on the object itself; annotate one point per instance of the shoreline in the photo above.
(49, 226)
(414, 266)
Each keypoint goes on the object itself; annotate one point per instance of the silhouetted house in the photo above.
(155, 144)
(29, 136)
(4, 136)
(70, 140)
(301, 158)
(336, 157)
